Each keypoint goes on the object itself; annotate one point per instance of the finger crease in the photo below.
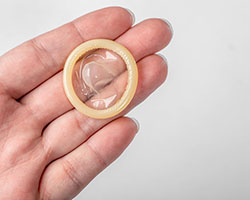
(43, 55)
(77, 30)
(71, 173)
(88, 129)
(98, 156)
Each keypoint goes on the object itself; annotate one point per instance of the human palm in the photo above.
(48, 149)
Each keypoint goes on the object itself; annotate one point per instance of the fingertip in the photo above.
(121, 11)
(170, 27)
(164, 64)
(132, 15)
(136, 123)
(160, 28)
(153, 70)
(130, 124)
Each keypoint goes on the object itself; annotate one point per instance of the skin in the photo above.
(48, 149)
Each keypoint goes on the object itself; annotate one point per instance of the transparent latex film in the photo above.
(100, 78)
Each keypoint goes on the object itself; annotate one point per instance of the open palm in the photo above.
(48, 149)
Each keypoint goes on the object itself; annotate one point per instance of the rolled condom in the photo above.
(100, 78)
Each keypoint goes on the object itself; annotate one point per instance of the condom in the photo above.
(100, 78)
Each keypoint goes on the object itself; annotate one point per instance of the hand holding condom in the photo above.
(50, 150)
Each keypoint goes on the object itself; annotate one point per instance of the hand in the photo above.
(48, 149)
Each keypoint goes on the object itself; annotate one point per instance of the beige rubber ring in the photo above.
(128, 94)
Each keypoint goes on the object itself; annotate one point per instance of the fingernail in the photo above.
(132, 15)
(169, 25)
(164, 58)
(136, 123)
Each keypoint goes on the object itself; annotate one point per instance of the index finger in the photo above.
(27, 66)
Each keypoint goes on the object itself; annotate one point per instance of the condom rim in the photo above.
(129, 92)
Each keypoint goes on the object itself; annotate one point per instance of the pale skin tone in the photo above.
(48, 149)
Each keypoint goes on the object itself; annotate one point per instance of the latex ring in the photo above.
(129, 92)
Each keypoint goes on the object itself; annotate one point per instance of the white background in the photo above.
(195, 130)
